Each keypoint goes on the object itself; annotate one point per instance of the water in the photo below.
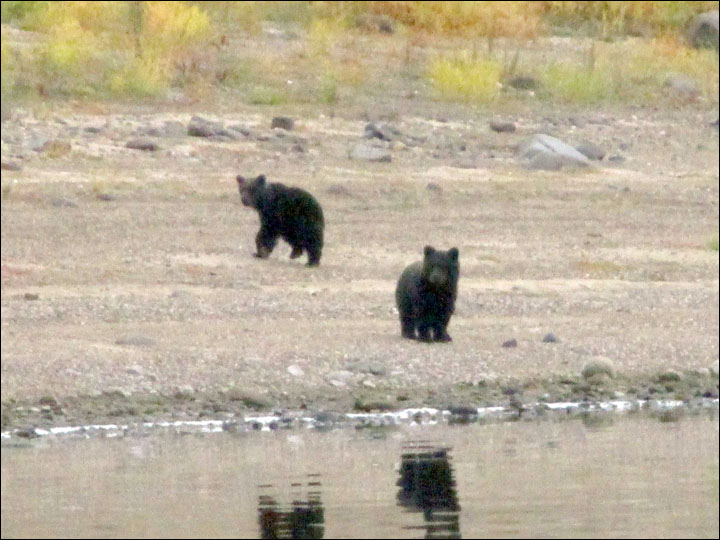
(627, 476)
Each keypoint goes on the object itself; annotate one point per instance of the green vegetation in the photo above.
(464, 78)
(714, 243)
(467, 51)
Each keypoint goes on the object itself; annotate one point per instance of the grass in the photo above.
(464, 78)
(577, 84)
(598, 268)
(713, 243)
(90, 48)
(99, 50)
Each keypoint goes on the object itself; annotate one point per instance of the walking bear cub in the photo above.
(287, 212)
(426, 293)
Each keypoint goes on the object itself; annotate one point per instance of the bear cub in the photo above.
(426, 293)
(287, 212)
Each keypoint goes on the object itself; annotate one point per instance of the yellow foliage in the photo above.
(322, 34)
(142, 76)
(173, 25)
(466, 79)
(493, 19)
(68, 49)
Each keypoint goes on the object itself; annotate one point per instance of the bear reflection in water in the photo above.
(427, 485)
(305, 518)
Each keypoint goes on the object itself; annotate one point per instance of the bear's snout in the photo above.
(438, 277)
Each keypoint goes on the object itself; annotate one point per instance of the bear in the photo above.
(426, 293)
(288, 212)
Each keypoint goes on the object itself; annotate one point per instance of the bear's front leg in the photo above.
(424, 333)
(296, 252)
(407, 326)
(265, 242)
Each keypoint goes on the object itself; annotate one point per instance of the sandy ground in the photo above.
(129, 287)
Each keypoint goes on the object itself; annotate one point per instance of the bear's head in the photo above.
(441, 269)
(251, 190)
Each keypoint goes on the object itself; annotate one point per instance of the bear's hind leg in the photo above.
(440, 333)
(296, 252)
(314, 251)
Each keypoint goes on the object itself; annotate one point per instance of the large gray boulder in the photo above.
(364, 152)
(703, 30)
(543, 152)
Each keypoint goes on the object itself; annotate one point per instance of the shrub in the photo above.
(464, 78)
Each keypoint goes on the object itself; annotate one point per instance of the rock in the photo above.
(432, 186)
(591, 150)
(549, 153)
(384, 132)
(249, 399)
(135, 341)
(546, 162)
(715, 124)
(283, 122)
(510, 343)
(463, 410)
(703, 30)
(598, 366)
(550, 338)
(341, 375)
(374, 368)
(61, 202)
(617, 158)
(173, 128)
(27, 433)
(106, 197)
(682, 87)
(502, 127)
(200, 127)
(467, 163)
(523, 82)
(135, 369)
(93, 129)
(364, 152)
(10, 166)
(339, 189)
(31, 296)
(328, 418)
(241, 129)
(295, 371)
(142, 144)
(37, 141)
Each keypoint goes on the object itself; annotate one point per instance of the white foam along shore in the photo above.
(416, 416)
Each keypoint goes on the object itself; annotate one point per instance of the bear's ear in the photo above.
(260, 180)
(429, 250)
(240, 179)
(454, 253)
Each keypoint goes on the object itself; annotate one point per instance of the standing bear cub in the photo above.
(426, 293)
(287, 212)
